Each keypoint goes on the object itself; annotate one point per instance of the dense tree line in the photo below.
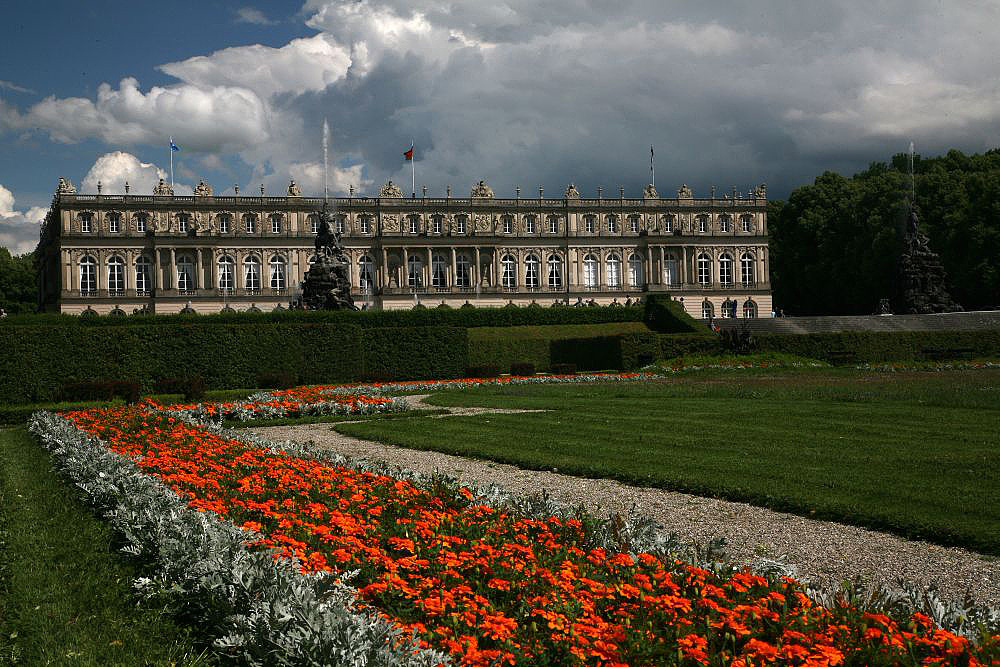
(18, 283)
(835, 244)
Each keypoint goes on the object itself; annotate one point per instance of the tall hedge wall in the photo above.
(622, 352)
(38, 361)
(870, 346)
(663, 314)
(415, 353)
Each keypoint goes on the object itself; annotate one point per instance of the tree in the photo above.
(18, 283)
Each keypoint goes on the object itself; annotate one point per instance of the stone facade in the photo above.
(164, 253)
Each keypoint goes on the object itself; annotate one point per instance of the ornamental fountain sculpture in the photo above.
(327, 285)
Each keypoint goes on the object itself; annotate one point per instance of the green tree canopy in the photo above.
(18, 283)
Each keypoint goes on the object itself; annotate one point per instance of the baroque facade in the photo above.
(120, 254)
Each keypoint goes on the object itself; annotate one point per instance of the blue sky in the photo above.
(516, 92)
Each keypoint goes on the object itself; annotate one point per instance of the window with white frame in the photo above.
(508, 224)
(439, 270)
(85, 220)
(588, 223)
(747, 271)
(555, 273)
(182, 222)
(88, 274)
(185, 273)
(276, 223)
(724, 224)
(508, 276)
(670, 274)
(143, 271)
(113, 220)
(707, 312)
(553, 224)
(590, 271)
(116, 276)
(633, 224)
(668, 224)
(366, 273)
(726, 269)
(314, 224)
(225, 221)
(463, 270)
(614, 268)
(251, 273)
(227, 274)
(729, 309)
(635, 275)
(746, 223)
(702, 222)
(531, 277)
(414, 271)
(414, 224)
(749, 310)
(339, 224)
(278, 272)
(612, 222)
(140, 222)
(365, 224)
(437, 224)
(704, 269)
(460, 222)
(529, 224)
(250, 223)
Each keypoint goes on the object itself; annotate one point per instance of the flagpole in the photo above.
(413, 174)
(652, 170)
(170, 148)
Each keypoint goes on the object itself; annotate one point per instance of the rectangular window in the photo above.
(182, 223)
(223, 224)
(529, 224)
(85, 222)
(633, 224)
(140, 223)
(460, 224)
(113, 223)
(276, 224)
(437, 224)
(363, 222)
(589, 221)
(553, 225)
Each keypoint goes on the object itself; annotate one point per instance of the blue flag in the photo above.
(173, 146)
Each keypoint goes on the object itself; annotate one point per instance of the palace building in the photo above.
(120, 254)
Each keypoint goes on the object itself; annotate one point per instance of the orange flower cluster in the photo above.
(492, 588)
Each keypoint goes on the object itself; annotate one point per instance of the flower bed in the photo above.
(491, 585)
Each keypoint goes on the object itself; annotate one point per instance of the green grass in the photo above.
(914, 453)
(503, 346)
(775, 359)
(65, 594)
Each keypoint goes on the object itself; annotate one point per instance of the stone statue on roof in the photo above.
(650, 192)
(202, 189)
(162, 189)
(482, 191)
(65, 187)
(684, 192)
(572, 192)
(390, 191)
(293, 189)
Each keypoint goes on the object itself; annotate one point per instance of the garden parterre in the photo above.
(490, 586)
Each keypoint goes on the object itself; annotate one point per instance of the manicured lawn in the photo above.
(65, 593)
(913, 453)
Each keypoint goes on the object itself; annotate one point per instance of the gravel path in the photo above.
(820, 550)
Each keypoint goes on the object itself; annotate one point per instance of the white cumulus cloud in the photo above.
(113, 170)
(18, 229)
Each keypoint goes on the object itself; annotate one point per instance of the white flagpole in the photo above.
(413, 172)
(652, 171)
(171, 149)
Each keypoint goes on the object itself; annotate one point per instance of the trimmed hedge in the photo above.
(621, 352)
(849, 347)
(664, 315)
(414, 353)
(678, 345)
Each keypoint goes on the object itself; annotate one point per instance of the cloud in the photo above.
(251, 15)
(18, 229)
(113, 170)
(7, 85)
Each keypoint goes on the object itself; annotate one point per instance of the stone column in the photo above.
(67, 270)
(199, 267)
(454, 268)
(428, 271)
(663, 267)
(404, 269)
(602, 278)
(649, 266)
(495, 269)
(173, 269)
(384, 269)
(476, 270)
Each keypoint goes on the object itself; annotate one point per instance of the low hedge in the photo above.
(414, 353)
(678, 345)
(849, 347)
(622, 352)
(664, 315)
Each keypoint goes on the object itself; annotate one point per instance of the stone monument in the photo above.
(327, 285)
(921, 276)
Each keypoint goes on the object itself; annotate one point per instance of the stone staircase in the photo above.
(984, 319)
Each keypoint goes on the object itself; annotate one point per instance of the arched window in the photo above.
(702, 221)
(729, 308)
(463, 270)
(414, 272)
(143, 271)
(140, 222)
(704, 269)
(749, 309)
(555, 272)
(614, 266)
(724, 223)
(365, 224)
(276, 223)
(748, 275)
(509, 276)
(746, 223)
(437, 224)
(635, 275)
(612, 221)
(85, 219)
(633, 224)
(278, 272)
(250, 223)
(225, 220)
(182, 222)
(439, 270)
(707, 312)
(185, 273)
(113, 223)
(314, 224)
(589, 221)
(529, 224)
(670, 275)
(116, 276)
(460, 222)
(88, 275)
(251, 273)
(531, 278)
(590, 271)
(227, 274)
(668, 224)
(414, 224)
(508, 224)
(366, 273)
(553, 224)
(726, 269)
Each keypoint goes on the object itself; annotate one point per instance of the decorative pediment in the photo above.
(482, 191)
(390, 191)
